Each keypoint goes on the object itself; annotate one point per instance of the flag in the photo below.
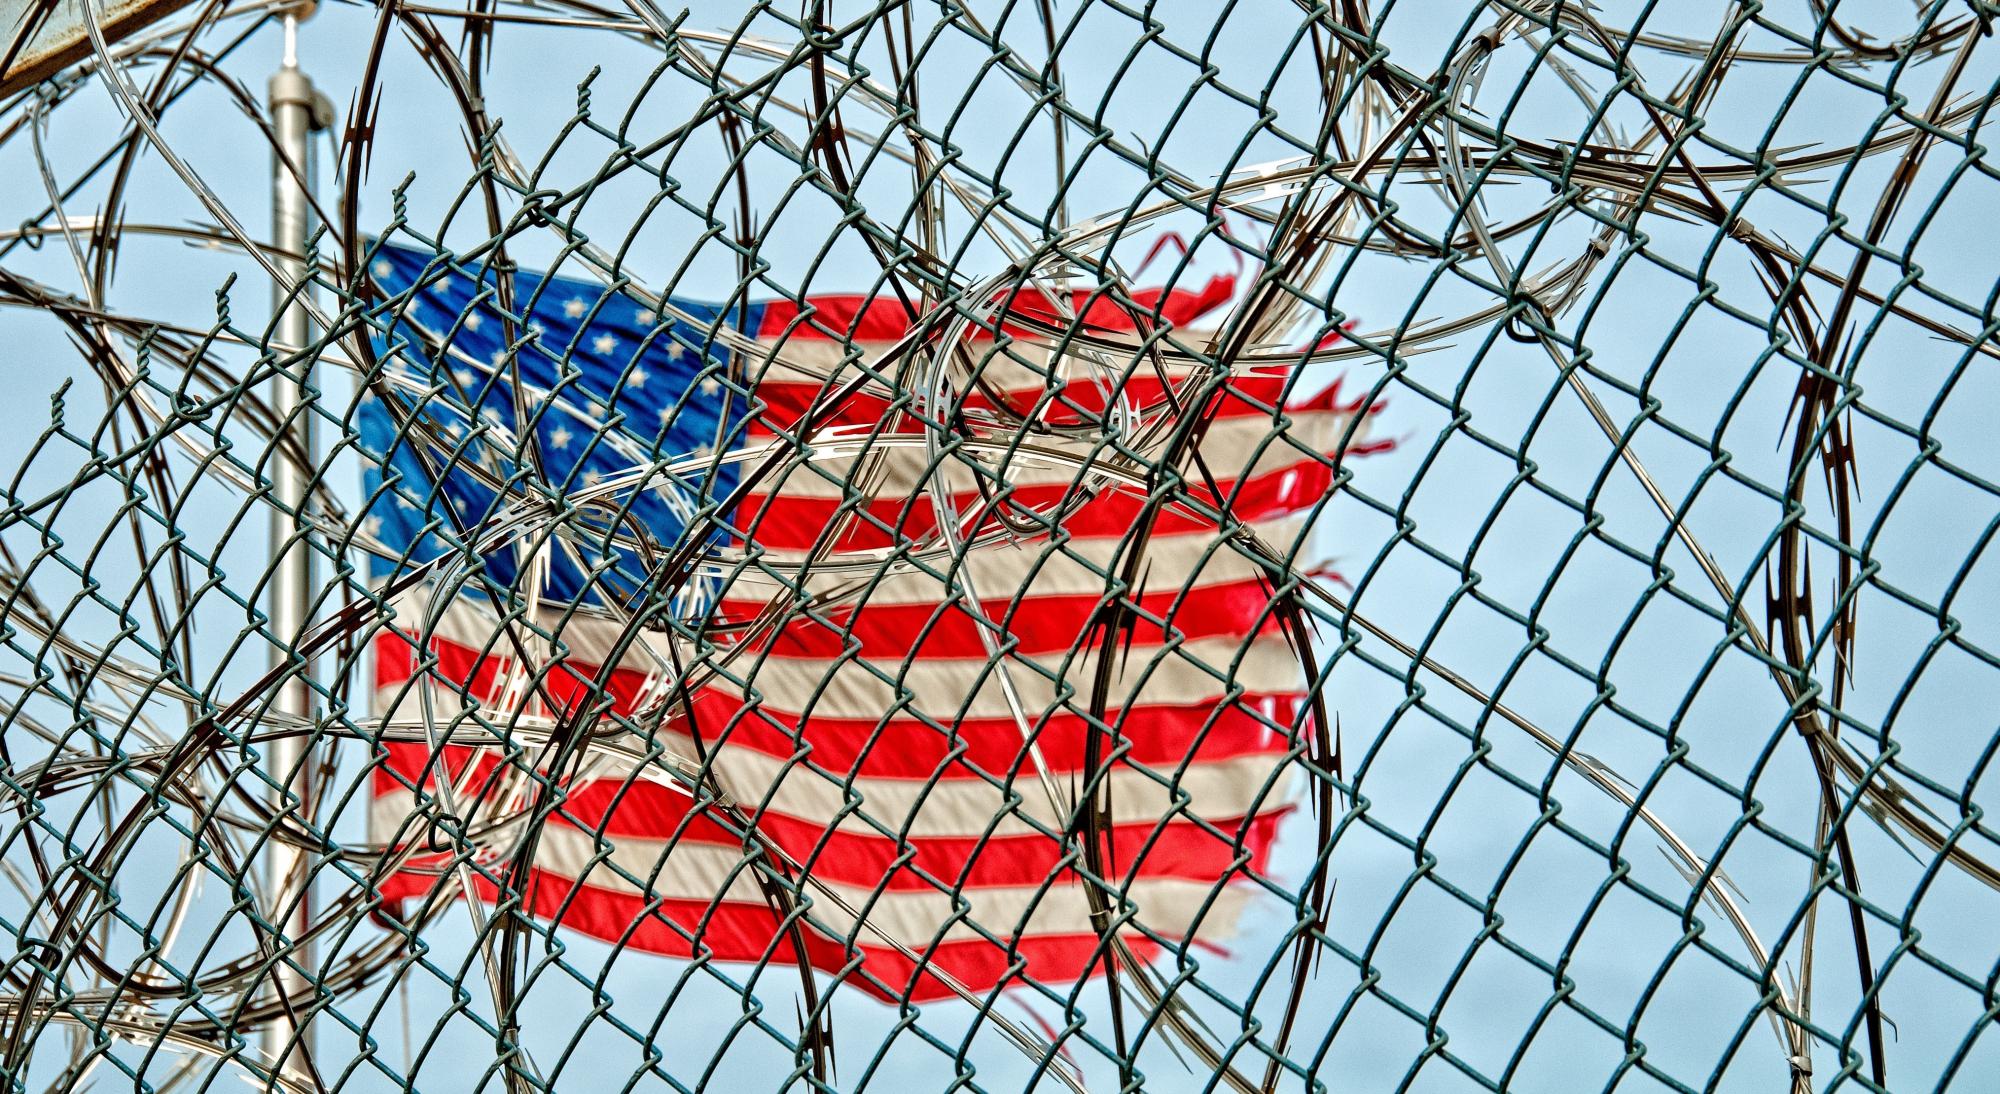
(834, 625)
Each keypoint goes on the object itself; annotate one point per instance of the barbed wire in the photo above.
(1322, 492)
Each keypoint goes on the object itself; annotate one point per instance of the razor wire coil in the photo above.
(1637, 611)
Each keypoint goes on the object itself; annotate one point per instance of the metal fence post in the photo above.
(288, 869)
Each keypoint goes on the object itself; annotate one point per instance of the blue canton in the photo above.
(607, 386)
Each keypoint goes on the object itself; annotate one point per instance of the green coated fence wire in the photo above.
(1060, 545)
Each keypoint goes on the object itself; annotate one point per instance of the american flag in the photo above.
(902, 718)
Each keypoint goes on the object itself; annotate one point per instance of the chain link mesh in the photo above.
(1647, 690)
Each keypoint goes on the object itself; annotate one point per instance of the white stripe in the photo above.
(588, 636)
(1022, 366)
(1229, 447)
(697, 871)
(948, 689)
(1172, 563)
(1220, 791)
(1038, 567)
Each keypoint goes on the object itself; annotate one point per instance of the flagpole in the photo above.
(287, 877)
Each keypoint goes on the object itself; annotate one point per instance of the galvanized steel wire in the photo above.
(1660, 650)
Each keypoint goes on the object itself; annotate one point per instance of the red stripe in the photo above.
(1079, 401)
(642, 810)
(1037, 624)
(748, 932)
(1162, 738)
(789, 522)
(1176, 848)
(850, 317)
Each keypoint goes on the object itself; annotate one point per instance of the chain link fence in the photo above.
(1055, 545)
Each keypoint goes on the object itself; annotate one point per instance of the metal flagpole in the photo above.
(293, 117)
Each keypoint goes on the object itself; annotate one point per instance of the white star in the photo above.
(382, 267)
(592, 478)
(463, 504)
(463, 376)
(645, 316)
(666, 414)
(638, 378)
(595, 410)
(559, 438)
(710, 385)
(372, 526)
(491, 414)
(574, 308)
(675, 349)
(499, 356)
(473, 320)
(535, 328)
(701, 451)
(604, 343)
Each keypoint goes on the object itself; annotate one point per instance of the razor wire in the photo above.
(1649, 691)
